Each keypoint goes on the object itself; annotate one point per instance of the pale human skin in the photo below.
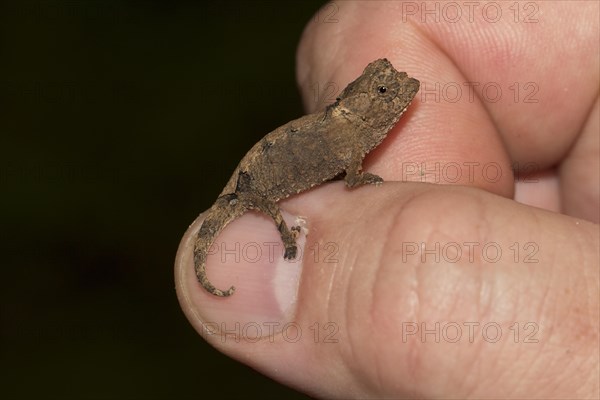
(375, 293)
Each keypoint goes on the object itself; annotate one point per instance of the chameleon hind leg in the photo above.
(288, 235)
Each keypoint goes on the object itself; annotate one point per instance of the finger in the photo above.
(392, 277)
(436, 141)
(528, 116)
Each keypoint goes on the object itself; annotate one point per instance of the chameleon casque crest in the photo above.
(307, 152)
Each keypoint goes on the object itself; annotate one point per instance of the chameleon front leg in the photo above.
(288, 236)
(355, 177)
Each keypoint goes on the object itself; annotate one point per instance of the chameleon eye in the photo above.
(382, 89)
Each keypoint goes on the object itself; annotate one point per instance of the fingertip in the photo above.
(248, 253)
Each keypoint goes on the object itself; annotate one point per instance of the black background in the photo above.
(120, 122)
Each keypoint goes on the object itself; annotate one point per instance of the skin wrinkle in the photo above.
(479, 374)
(485, 294)
(414, 355)
(371, 385)
(542, 310)
(585, 369)
(379, 380)
(588, 279)
(397, 222)
(545, 296)
(330, 289)
(332, 278)
(412, 360)
(481, 234)
(538, 228)
(420, 292)
(474, 384)
(582, 285)
(482, 312)
(563, 376)
(519, 379)
(351, 359)
(496, 294)
(502, 372)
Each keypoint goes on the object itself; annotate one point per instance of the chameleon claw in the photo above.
(295, 230)
(290, 252)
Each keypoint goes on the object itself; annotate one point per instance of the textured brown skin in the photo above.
(307, 152)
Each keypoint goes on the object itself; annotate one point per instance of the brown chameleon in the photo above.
(307, 152)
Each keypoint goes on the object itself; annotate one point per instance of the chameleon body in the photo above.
(307, 152)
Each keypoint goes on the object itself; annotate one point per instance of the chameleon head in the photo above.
(379, 95)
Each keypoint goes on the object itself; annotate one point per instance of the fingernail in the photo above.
(248, 254)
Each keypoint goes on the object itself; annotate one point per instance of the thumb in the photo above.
(409, 290)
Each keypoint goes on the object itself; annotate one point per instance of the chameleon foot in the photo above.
(290, 252)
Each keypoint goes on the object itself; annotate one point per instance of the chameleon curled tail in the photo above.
(225, 210)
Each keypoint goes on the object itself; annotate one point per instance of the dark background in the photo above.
(120, 122)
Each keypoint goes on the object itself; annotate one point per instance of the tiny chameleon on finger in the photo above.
(307, 152)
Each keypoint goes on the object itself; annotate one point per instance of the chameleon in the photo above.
(319, 147)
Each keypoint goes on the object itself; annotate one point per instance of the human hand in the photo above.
(507, 292)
